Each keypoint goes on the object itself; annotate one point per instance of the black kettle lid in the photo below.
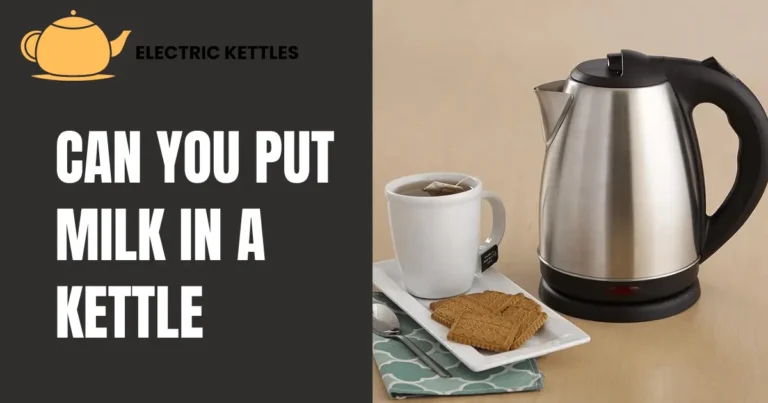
(627, 69)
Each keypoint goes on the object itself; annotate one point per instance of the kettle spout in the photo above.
(554, 104)
(118, 43)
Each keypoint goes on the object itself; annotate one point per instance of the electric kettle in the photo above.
(622, 217)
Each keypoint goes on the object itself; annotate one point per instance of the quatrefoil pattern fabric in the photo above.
(405, 376)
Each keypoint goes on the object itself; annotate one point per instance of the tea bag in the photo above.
(440, 188)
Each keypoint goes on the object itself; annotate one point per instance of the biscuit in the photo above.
(494, 300)
(528, 321)
(521, 301)
(447, 312)
(436, 304)
(489, 332)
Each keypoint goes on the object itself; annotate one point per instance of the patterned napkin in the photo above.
(405, 376)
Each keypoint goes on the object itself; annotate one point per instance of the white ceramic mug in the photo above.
(436, 238)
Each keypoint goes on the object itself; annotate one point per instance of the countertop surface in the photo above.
(453, 91)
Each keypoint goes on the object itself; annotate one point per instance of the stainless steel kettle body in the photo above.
(622, 203)
(620, 193)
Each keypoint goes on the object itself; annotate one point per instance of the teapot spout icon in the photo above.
(116, 45)
(72, 49)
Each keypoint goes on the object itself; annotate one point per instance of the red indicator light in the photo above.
(623, 290)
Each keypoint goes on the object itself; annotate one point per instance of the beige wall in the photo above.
(453, 90)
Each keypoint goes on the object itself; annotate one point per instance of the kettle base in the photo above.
(618, 312)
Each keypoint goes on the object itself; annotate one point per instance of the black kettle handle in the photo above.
(708, 82)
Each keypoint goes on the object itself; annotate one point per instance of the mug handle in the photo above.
(498, 226)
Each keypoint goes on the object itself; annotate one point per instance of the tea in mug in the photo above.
(432, 188)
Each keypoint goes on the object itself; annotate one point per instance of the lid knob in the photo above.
(73, 12)
(615, 63)
(624, 69)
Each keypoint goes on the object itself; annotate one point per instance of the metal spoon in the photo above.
(386, 324)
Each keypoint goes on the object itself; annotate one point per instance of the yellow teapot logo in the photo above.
(72, 49)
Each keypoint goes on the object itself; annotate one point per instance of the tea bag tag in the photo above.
(440, 188)
(489, 258)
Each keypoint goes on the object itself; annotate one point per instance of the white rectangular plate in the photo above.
(556, 334)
